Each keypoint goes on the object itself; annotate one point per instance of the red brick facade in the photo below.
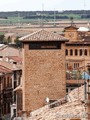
(43, 74)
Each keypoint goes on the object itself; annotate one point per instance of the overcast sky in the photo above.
(32, 5)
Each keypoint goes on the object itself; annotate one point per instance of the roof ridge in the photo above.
(43, 35)
(29, 35)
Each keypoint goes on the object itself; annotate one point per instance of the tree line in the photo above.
(35, 13)
(45, 17)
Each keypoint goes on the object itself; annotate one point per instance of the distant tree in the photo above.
(17, 42)
(9, 40)
(71, 19)
(2, 38)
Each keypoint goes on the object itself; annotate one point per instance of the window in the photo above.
(71, 52)
(76, 65)
(76, 52)
(44, 45)
(5, 108)
(0, 80)
(7, 81)
(80, 52)
(85, 52)
(8, 107)
(4, 83)
(15, 75)
(66, 52)
(67, 65)
(15, 84)
(14, 62)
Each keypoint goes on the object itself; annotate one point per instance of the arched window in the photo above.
(71, 52)
(66, 52)
(85, 52)
(67, 65)
(76, 52)
(81, 52)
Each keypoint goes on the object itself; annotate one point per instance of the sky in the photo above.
(33, 5)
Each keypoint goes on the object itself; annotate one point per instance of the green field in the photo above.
(15, 20)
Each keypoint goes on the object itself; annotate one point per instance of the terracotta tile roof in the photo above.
(73, 108)
(5, 69)
(43, 35)
(72, 27)
(15, 58)
(10, 51)
(10, 66)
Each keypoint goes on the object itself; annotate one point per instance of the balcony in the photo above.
(72, 81)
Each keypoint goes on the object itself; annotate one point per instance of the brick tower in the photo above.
(43, 68)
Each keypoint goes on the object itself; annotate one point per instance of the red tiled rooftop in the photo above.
(66, 111)
(43, 35)
(15, 58)
(4, 69)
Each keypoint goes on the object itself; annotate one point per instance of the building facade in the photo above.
(6, 91)
(43, 69)
(77, 55)
(78, 47)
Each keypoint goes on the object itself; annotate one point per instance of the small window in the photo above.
(14, 62)
(76, 52)
(8, 107)
(71, 52)
(4, 83)
(85, 52)
(67, 65)
(66, 52)
(7, 81)
(76, 65)
(0, 80)
(81, 52)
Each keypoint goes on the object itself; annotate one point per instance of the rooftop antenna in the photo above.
(18, 19)
(84, 4)
(84, 7)
(42, 22)
(54, 17)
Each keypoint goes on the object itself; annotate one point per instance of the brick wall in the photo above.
(43, 76)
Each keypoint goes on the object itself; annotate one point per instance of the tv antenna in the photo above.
(42, 15)
(54, 17)
(18, 19)
(84, 4)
